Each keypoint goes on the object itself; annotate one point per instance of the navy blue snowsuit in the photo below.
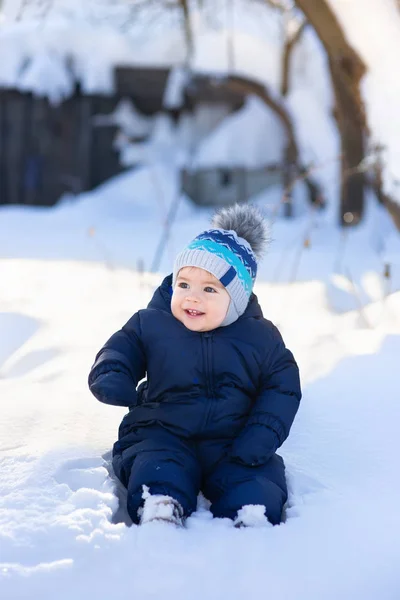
(214, 408)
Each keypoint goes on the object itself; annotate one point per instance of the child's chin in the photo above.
(200, 327)
(194, 326)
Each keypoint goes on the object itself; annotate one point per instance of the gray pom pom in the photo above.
(247, 222)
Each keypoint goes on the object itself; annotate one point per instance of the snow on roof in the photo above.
(84, 42)
(49, 62)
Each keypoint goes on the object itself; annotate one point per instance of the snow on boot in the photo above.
(252, 515)
(161, 508)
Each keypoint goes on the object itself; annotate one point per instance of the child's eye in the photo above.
(210, 290)
(183, 285)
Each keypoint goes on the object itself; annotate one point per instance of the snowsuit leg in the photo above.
(231, 485)
(162, 461)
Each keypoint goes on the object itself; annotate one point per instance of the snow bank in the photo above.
(252, 137)
(15, 329)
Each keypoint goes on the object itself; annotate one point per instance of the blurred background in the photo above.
(124, 110)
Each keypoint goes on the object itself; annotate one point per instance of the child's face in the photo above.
(199, 300)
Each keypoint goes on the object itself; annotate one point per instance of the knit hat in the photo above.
(229, 251)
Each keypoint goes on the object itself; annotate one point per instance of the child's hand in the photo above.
(255, 445)
(113, 387)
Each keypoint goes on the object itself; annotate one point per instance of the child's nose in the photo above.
(192, 297)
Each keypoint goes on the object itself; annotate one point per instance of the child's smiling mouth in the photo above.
(191, 312)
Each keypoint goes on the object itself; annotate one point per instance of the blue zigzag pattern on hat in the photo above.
(224, 252)
(225, 238)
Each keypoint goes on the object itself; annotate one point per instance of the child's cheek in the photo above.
(175, 305)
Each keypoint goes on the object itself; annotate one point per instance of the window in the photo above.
(226, 177)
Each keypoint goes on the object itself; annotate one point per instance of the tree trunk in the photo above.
(347, 70)
(376, 183)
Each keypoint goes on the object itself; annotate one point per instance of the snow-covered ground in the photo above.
(69, 277)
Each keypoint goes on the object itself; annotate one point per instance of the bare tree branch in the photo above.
(47, 6)
(24, 4)
(282, 5)
(287, 53)
(187, 27)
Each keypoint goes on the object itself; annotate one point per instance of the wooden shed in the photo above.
(47, 150)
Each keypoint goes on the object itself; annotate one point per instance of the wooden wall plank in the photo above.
(104, 158)
(2, 152)
(84, 140)
(38, 142)
(14, 128)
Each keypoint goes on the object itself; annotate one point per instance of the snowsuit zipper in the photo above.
(207, 357)
(206, 341)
